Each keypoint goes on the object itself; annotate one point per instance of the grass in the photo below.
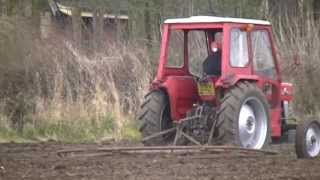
(83, 131)
(57, 91)
(130, 131)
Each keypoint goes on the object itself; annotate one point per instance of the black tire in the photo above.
(155, 117)
(301, 139)
(227, 126)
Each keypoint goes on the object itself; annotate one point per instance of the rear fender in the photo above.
(182, 94)
(229, 80)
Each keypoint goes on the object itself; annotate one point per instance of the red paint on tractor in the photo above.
(181, 87)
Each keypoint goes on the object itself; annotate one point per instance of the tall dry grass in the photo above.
(298, 40)
(50, 81)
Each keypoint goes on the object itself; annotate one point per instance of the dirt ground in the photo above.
(41, 161)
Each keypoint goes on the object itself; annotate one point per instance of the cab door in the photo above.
(178, 82)
(264, 65)
(186, 51)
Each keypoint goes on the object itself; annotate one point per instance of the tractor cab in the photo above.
(202, 56)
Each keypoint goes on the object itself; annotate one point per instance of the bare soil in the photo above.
(42, 161)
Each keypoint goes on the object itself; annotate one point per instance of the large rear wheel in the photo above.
(155, 118)
(243, 118)
(308, 139)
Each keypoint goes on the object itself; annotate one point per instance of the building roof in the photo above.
(68, 11)
(213, 19)
(65, 7)
(115, 6)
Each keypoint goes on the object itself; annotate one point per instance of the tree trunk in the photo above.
(98, 29)
(316, 9)
(76, 26)
(148, 25)
(36, 19)
(191, 8)
(284, 7)
(211, 8)
(26, 7)
(1, 7)
(264, 9)
(159, 18)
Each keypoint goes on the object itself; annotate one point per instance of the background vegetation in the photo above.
(65, 87)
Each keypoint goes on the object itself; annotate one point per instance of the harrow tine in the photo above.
(212, 131)
(191, 139)
(177, 136)
(189, 118)
(159, 134)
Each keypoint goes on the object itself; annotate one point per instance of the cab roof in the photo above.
(214, 19)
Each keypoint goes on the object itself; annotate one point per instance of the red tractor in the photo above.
(219, 83)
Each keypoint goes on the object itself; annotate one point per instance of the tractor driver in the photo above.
(212, 64)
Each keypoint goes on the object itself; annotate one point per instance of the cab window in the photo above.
(263, 61)
(238, 48)
(175, 58)
(197, 51)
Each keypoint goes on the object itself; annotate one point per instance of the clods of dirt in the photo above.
(40, 161)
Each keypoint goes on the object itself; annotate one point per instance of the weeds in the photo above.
(72, 132)
(55, 91)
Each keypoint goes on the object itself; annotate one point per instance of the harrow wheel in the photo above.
(308, 139)
(243, 118)
(155, 119)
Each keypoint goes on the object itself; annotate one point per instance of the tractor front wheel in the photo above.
(308, 139)
(155, 117)
(243, 117)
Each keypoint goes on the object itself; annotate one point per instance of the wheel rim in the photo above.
(313, 140)
(253, 124)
